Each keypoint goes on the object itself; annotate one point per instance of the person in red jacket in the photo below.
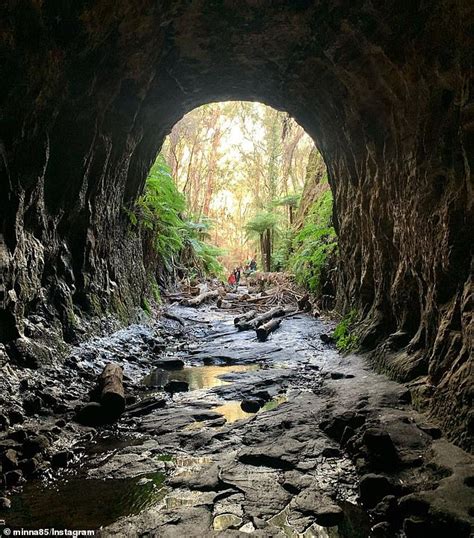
(232, 280)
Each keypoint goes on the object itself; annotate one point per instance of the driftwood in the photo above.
(245, 317)
(200, 299)
(262, 318)
(264, 330)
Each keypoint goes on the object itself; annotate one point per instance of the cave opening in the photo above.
(89, 93)
(244, 177)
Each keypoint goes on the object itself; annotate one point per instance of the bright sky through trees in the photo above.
(233, 160)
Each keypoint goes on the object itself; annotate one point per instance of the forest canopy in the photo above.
(236, 181)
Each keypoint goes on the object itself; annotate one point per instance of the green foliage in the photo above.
(314, 244)
(282, 250)
(260, 223)
(290, 200)
(175, 241)
(345, 339)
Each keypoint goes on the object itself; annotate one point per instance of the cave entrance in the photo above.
(244, 186)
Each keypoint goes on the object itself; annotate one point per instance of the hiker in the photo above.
(237, 276)
(232, 280)
(253, 264)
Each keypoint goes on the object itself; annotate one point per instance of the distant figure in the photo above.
(253, 264)
(237, 275)
(232, 280)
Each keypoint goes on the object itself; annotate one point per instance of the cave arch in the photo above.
(91, 88)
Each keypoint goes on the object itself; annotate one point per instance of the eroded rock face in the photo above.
(90, 90)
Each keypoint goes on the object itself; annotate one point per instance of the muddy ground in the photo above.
(333, 449)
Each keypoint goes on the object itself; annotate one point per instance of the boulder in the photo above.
(173, 386)
(61, 459)
(35, 445)
(13, 478)
(91, 414)
(380, 448)
(9, 460)
(373, 488)
(250, 406)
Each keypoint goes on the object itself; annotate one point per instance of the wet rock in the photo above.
(331, 452)
(5, 503)
(4, 423)
(381, 530)
(60, 423)
(29, 466)
(386, 509)
(326, 339)
(168, 363)
(325, 512)
(61, 459)
(15, 417)
(18, 435)
(433, 431)
(32, 404)
(35, 445)
(9, 460)
(28, 353)
(415, 527)
(91, 414)
(250, 406)
(173, 386)
(262, 456)
(335, 426)
(380, 448)
(145, 407)
(13, 478)
(373, 488)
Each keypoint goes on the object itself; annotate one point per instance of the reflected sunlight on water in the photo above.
(198, 377)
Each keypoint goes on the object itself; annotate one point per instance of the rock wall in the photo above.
(90, 89)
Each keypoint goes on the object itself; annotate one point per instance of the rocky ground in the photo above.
(224, 435)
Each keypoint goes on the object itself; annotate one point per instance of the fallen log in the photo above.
(278, 311)
(264, 330)
(245, 317)
(112, 394)
(200, 299)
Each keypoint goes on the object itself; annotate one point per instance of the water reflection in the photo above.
(232, 411)
(81, 503)
(198, 377)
